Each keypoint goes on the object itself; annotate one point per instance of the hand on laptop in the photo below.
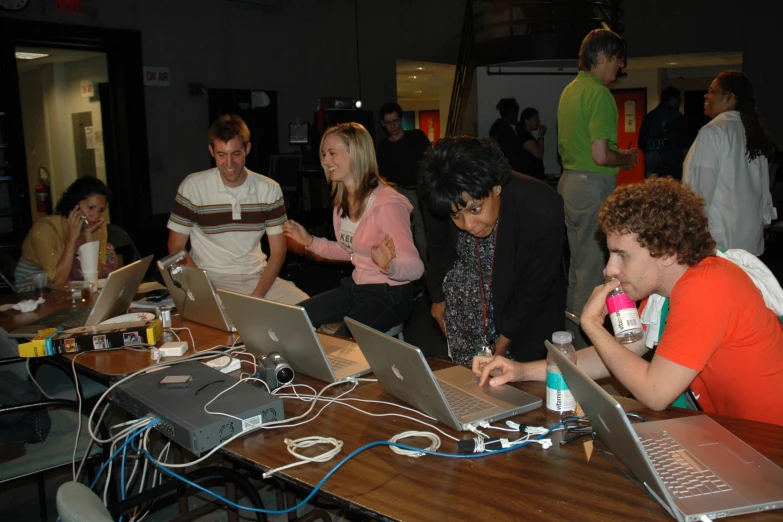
(497, 370)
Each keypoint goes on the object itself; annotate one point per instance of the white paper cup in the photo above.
(91, 277)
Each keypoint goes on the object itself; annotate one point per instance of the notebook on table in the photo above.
(452, 395)
(692, 466)
(193, 293)
(268, 326)
(115, 298)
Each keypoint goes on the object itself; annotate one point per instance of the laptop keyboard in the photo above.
(338, 363)
(461, 402)
(77, 320)
(682, 474)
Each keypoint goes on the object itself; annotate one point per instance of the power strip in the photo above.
(225, 364)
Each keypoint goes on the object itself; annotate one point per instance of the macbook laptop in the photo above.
(451, 395)
(193, 293)
(691, 465)
(115, 298)
(267, 326)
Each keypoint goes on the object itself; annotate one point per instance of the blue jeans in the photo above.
(379, 306)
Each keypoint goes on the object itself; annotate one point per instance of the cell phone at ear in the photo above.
(175, 381)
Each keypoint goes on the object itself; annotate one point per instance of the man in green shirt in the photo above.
(587, 142)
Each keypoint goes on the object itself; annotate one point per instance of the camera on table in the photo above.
(274, 370)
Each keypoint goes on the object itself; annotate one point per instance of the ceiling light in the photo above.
(416, 92)
(671, 63)
(412, 77)
(29, 56)
(358, 104)
(419, 68)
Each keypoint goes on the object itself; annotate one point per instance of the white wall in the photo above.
(36, 135)
(541, 92)
(649, 79)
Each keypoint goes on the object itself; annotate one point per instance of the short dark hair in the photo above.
(457, 166)
(79, 190)
(228, 127)
(666, 216)
(389, 108)
(670, 93)
(528, 113)
(507, 106)
(599, 40)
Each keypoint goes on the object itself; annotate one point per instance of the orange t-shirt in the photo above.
(719, 325)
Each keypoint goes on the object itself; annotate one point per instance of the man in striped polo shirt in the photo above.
(225, 211)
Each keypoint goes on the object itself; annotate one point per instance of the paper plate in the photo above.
(127, 318)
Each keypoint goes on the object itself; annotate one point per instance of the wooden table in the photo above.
(529, 483)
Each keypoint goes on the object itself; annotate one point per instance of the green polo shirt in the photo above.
(587, 112)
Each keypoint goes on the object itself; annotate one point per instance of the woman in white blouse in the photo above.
(727, 165)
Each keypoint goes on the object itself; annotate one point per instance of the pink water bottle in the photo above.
(625, 317)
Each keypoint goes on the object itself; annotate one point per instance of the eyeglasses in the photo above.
(389, 123)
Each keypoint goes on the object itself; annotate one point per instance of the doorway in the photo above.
(122, 122)
(61, 119)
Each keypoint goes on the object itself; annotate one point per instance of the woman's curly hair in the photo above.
(666, 216)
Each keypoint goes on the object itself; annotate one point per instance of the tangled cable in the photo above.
(415, 454)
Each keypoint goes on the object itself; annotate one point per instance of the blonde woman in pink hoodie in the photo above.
(372, 227)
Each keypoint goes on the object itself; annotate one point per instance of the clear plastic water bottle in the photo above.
(625, 317)
(558, 397)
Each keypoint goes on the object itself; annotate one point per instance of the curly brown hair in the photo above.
(666, 216)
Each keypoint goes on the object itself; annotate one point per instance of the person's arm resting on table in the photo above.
(277, 252)
(656, 384)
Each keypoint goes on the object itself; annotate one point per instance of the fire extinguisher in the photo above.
(43, 195)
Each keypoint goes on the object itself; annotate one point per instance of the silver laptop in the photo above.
(115, 298)
(451, 395)
(193, 293)
(691, 465)
(267, 326)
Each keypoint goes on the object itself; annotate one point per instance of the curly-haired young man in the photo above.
(720, 340)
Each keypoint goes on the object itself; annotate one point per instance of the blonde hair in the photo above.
(363, 167)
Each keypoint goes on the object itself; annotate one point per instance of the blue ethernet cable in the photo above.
(331, 472)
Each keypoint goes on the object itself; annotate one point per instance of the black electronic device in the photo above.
(181, 412)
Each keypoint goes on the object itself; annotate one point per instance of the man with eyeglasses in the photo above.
(398, 161)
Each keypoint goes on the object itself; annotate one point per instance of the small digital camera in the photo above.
(274, 370)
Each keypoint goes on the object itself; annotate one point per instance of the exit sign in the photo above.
(156, 76)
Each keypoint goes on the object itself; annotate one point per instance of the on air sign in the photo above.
(156, 76)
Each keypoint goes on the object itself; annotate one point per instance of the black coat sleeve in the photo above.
(441, 252)
(528, 284)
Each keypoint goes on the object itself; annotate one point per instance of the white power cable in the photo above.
(307, 442)
(434, 439)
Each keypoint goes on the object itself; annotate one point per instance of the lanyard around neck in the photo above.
(485, 299)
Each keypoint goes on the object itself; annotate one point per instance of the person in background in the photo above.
(720, 339)
(504, 285)
(531, 157)
(53, 242)
(504, 133)
(398, 162)
(663, 137)
(587, 123)
(372, 227)
(728, 165)
(225, 211)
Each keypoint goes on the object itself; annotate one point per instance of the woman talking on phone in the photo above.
(52, 244)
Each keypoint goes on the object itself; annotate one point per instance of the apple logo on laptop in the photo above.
(397, 372)
(273, 335)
